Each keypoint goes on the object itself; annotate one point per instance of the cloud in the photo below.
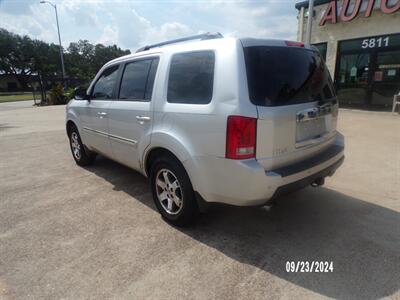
(134, 31)
(132, 24)
(166, 31)
(38, 24)
(272, 19)
(16, 7)
(109, 36)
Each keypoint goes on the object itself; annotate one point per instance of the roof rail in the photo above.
(203, 36)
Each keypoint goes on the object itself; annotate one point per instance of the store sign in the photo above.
(348, 11)
(376, 42)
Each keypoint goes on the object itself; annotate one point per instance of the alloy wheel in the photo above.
(76, 147)
(169, 192)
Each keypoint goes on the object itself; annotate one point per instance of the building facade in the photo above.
(360, 41)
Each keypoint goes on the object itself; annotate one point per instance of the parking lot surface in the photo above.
(71, 232)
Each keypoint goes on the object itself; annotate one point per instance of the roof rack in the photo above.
(203, 36)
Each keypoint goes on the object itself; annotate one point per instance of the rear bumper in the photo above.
(247, 183)
(302, 183)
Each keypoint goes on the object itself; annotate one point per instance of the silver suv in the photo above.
(212, 119)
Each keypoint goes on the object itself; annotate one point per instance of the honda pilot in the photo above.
(210, 119)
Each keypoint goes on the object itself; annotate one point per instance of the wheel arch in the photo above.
(69, 125)
(152, 154)
(158, 151)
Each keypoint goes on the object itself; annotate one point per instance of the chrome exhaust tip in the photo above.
(318, 182)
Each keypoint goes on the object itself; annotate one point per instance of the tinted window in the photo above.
(191, 78)
(322, 48)
(284, 75)
(136, 83)
(103, 89)
(150, 80)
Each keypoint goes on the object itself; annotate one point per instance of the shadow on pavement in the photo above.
(6, 126)
(361, 239)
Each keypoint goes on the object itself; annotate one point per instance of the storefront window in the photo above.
(386, 77)
(368, 70)
(353, 78)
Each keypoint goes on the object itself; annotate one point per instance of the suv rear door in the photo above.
(296, 103)
(130, 115)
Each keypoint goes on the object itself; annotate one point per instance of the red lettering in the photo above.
(345, 7)
(370, 7)
(389, 10)
(330, 14)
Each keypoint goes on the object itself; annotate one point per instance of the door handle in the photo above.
(101, 114)
(142, 119)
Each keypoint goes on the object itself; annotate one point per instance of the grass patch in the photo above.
(19, 97)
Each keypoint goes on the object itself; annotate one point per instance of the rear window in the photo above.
(286, 75)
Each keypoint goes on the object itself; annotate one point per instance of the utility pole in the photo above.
(59, 38)
(309, 21)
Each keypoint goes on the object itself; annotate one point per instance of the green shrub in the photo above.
(69, 94)
(56, 96)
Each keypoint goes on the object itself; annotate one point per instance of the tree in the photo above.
(21, 56)
(78, 59)
(84, 59)
(103, 54)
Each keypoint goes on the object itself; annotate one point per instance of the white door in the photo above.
(130, 115)
(94, 113)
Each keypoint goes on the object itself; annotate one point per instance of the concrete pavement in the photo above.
(69, 232)
(16, 105)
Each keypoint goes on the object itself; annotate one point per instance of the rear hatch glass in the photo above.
(286, 75)
(296, 103)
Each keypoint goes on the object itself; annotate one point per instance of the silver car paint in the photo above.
(196, 134)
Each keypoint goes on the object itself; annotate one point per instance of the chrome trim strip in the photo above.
(111, 136)
(123, 140)
(96, 131)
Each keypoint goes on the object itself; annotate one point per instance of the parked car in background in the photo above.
(212, 119)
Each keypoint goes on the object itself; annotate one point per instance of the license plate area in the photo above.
(313, 124)
(311, 129)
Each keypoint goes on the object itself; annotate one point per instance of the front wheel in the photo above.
(81, 155)
(172, 192)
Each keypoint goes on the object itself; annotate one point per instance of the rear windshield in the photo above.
(286, 75)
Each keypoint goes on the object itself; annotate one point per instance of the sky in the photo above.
(132, 24)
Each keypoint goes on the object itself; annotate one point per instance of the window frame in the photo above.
(213, 79)
(113, 94)
(121, 75)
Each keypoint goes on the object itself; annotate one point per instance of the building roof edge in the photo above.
(304, 4)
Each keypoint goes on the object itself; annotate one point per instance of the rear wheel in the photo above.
(172, 191)
(80, 153)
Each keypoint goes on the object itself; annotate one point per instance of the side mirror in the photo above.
(80, 94)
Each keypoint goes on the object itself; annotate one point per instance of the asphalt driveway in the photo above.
(69, 232)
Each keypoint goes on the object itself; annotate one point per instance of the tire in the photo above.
(172, 192)
(81, 155)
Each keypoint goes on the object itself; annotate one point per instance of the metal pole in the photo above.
(310, 18)
(301, 25)
(59, 41)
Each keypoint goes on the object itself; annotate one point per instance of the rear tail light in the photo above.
(241, 137)
(294, 44)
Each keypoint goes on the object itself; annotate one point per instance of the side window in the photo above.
(137, 80)
(104, 86)
(191, 78)
(150, 80)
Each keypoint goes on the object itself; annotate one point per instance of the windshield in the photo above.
(286, 75)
